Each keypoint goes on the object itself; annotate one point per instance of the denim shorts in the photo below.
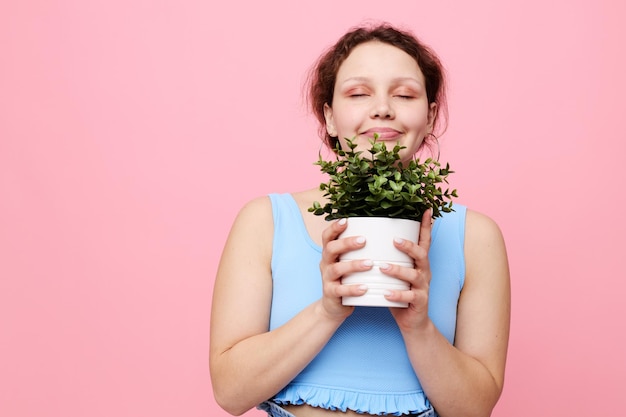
(274, 410)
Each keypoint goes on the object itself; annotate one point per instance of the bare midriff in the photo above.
(308, 411)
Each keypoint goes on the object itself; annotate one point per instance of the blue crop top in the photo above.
(364, 367)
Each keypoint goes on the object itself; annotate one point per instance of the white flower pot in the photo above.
(379, 233)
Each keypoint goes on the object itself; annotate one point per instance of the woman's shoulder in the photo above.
(479, 226)
(254, 218)
(257, 206)
(485, 249)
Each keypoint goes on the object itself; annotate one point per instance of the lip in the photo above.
(384, 133)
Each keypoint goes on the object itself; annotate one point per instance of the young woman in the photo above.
(281, 338)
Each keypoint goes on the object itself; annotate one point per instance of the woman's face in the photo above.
(380, 89)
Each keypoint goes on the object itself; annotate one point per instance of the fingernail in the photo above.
(387, 293)
(360, 240)
(363, 287)
(383, 265)
(368, 262)
(398, 240)
(341, 222)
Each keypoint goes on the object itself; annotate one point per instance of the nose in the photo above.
(382, 109)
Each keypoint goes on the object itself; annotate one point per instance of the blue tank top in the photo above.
(364, 367)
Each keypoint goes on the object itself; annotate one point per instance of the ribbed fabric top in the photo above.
(364, 367)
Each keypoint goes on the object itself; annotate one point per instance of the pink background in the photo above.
(131, 132)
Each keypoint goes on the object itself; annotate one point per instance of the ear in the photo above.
(432, 115)
(330, 120)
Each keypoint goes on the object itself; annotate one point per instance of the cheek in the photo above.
(347, 123)
(347, 113)
(419, 126)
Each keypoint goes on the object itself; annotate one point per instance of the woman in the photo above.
(281, 338)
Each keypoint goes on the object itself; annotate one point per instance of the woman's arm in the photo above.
(248, 363)
(467, 379)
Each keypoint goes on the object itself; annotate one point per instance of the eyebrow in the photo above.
(397, 79)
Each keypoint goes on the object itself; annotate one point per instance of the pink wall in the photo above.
(132, 131)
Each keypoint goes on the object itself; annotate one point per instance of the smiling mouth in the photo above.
(384, 133)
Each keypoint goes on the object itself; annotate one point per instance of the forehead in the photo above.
(379, 60)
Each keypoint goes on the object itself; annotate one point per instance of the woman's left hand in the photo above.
(418, 277)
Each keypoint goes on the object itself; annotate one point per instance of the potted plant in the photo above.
(383, 198)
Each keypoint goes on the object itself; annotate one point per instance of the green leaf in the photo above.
(381, 185)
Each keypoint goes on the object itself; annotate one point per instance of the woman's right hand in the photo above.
(332, 269)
